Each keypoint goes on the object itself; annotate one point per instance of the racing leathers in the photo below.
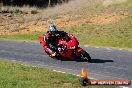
(51, 41)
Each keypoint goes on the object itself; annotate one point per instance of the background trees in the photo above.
(38, 3)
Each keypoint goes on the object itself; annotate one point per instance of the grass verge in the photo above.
(14, 75)
(23, 37)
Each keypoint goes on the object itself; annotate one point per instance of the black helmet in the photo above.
(52, 28)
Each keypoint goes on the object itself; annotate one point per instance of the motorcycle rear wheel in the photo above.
(85, 56)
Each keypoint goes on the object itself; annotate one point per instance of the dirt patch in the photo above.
(13, 24)
(109, 2)
(106, 18)
(61, 22)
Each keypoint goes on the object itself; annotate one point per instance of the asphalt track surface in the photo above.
(106, 63)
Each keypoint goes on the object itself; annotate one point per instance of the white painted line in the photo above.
(96, 47)
(59, 67)
(78, 75)
(120, 49)
(124, 87)
(25, 65)
(33, 66)
(85, 45)
(67, 73)
(63, 72)
(71, 74)
(54, 70)
(108, 48)
(59, 71)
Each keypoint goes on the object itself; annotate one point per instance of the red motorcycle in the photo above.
(68, 47)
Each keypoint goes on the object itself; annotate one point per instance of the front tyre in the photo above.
(85, 56)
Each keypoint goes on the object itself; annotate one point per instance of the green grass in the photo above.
(15, 11)
(14, 75)
(24, 37)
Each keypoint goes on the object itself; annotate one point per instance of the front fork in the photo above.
(78, 51)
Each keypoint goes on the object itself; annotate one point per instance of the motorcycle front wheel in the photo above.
(85, 56)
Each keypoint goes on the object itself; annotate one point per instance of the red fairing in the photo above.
(73, 42)
(42, 41)
(71, 46)
(47, 50)
(78, 50)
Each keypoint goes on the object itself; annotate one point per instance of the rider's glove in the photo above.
(54, 54)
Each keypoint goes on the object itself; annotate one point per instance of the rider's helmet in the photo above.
(52, 29)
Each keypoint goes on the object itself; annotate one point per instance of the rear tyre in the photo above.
(85, 56)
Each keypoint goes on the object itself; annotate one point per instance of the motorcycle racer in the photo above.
(51, 37)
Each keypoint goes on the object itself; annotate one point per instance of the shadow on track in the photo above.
(92, 60)
(100, 61)
(72, 59)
